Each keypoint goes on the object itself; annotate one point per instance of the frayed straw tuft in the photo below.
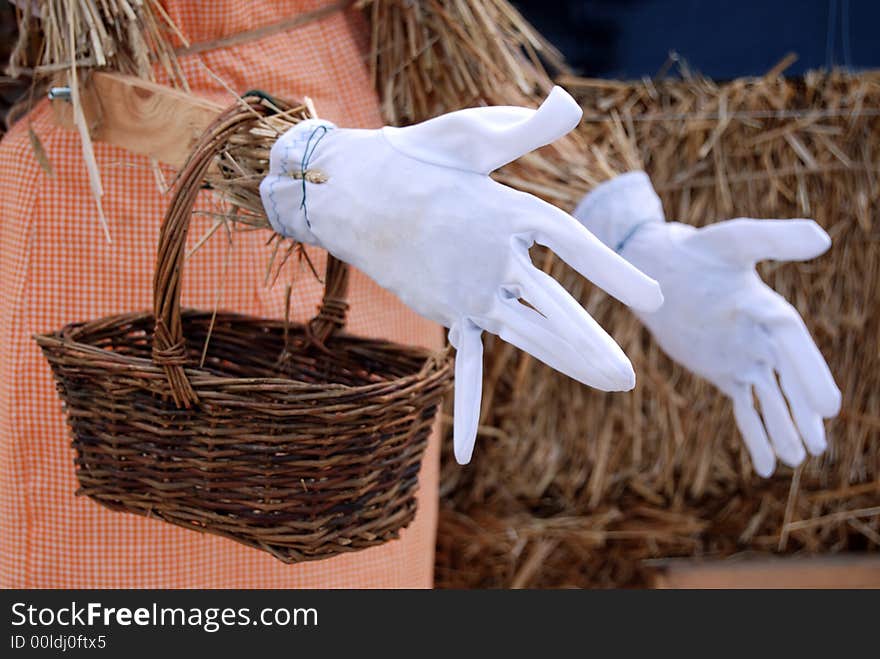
(127, 36)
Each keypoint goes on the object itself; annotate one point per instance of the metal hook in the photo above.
(59, 93)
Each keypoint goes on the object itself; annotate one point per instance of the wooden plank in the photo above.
(140, 116)
(839, 571)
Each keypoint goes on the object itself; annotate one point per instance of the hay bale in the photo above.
(573, 487)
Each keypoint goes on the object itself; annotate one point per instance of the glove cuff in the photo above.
(284, 191)
(614, 210)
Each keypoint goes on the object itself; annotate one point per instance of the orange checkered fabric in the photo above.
(56, 267)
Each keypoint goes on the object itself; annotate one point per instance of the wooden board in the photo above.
(842, 571)
(140, 116)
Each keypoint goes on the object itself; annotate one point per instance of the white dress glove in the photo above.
(720, 320)
(415, 209)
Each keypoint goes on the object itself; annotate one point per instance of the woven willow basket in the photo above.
(299, 440)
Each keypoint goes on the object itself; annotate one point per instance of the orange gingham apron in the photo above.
(57, 268)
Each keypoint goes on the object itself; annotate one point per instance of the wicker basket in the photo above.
(299, 440)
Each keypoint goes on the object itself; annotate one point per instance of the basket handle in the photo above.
(169, 347)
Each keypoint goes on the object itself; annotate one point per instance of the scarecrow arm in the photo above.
(720, 320)
(415, 209)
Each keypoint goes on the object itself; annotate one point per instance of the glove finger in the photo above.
(594, 359)
(752, 431)
(780, 427)
(745, 241)
(485, 138)
(568, 320)
(466, 338)
(537, 221)
(798, 353)
(808, 422)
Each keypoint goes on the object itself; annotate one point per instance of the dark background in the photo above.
(723, 39)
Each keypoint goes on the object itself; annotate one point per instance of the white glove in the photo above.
(720, 320)
(415, 209)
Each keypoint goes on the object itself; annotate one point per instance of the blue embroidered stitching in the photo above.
(274, 183)
(630, 234)
(304, 165)
(307, 155)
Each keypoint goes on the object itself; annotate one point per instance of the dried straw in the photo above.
(123, 35)
(442, 55)
(573, 487)
(58, 38)
(244, 161)
(236, 175)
